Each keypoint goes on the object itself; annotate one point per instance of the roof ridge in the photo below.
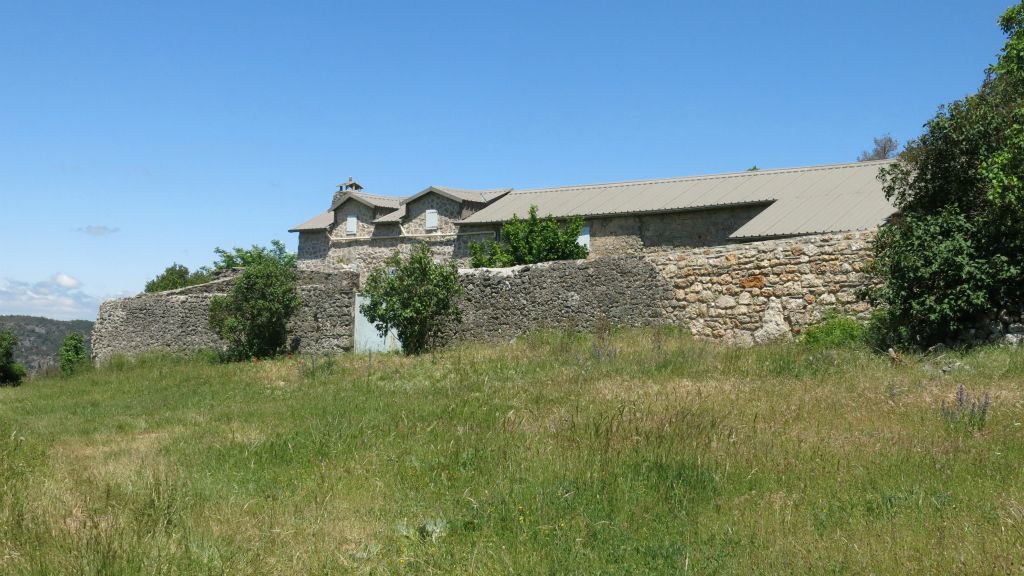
(627, 183)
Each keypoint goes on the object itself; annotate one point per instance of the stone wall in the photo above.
(675, 230)
(448, 212)
(365, 215)
(314, 245)
(752, 293)
(176, 320)
(504, 303)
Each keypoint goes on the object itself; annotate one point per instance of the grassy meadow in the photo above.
(639, 452)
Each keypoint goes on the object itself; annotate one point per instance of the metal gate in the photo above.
(365, 337)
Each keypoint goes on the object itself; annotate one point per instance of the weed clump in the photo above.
(834, 331)
(966, 411)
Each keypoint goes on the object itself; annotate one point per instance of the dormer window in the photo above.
(431, 220)
(351, 224)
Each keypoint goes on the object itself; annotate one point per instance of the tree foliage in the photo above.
(179, 276)
(11, 373)
(955, 250)
(530, 240)
(413, 296)
(243, 258)
(72, 354)
(885, 147)
(253, 316)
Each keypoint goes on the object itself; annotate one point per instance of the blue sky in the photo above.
(137, 134)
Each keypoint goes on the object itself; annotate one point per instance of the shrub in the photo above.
(178, 276)
(243, 258)
(11, 373)
(253, 317)
(957, 248)
(834, 331)
(72, 353)
(530, 241)
(414, 296)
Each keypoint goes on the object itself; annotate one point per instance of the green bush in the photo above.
(243, 258)
(253, 317)
(834, 331)
(530, 241)
(178, 276)
(11, 373)
(413, 296)
(73, 354)
(956, 249)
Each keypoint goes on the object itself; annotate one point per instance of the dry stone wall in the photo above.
(176, 320)
(740, 294)
(752, 293)
(506, 302)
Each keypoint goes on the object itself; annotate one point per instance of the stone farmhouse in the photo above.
(359, 229)
(740, 258)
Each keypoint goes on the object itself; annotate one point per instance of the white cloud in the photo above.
(98, 230)
(66, 281)
(60, 298)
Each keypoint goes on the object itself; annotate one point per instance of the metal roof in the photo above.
(395, 216)
(460, 194)
(319, 222)
(842, 198)
(802, 200)
(372, 200)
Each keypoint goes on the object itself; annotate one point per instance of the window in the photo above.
(350, 225)
(431, 220)
(584, 237)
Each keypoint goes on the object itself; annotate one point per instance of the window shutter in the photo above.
(350, 225)
(431, 219)
(584, 237)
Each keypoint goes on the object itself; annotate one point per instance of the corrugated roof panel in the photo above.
(689, 193)
(804, 198)
(318, 222)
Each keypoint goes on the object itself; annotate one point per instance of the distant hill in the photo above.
(39, 338)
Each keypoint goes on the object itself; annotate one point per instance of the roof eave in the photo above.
(701, 208)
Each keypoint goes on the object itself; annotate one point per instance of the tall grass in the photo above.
(639, 452)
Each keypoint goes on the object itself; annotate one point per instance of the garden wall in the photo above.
(739, 294)
(752, 293)
(176, 320)
(506, 302)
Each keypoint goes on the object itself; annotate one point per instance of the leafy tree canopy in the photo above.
(179, 276)
(955, 250)
(413, 296)
(253, 317)
(529, 241)
(11, 373)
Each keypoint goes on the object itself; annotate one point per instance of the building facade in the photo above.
(360, 230)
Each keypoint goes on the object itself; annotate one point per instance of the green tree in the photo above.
(11, 373)
(253, 316)
(73, 354)
(243, 258)
(178, 276)
(530, 240)
(413, 296)
(955, 250)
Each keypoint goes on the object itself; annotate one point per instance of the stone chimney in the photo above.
(345, 188)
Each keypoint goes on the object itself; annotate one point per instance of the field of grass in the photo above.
(640, 452)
